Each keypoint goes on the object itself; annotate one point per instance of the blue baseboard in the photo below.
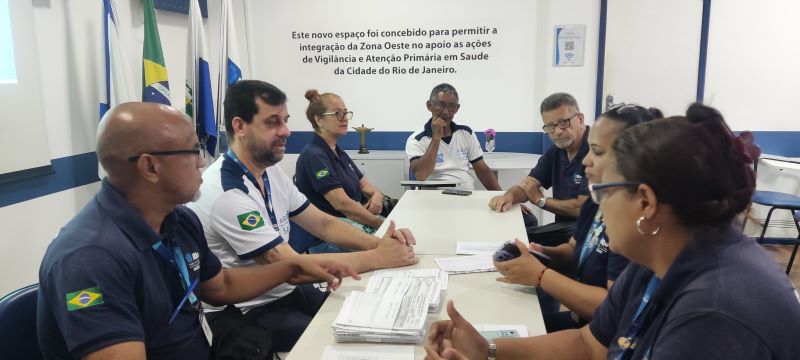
(522, 142)
(78, 170)
(67, 173)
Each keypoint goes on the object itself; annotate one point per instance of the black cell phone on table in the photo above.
(456, 192)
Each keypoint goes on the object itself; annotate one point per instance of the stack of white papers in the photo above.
(466, 264)
(432, 280)
(392, 310)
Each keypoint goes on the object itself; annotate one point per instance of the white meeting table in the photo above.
(478, 297)
(438, 221)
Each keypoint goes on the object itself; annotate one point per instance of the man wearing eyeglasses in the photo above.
(444, 150)
(125, 278)
(247, 205)
(560, 167)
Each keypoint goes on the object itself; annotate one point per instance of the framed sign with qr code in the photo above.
(568, 45)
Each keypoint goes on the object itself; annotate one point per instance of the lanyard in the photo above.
(268, 198)
(592, 239)
(174, 256)
(629, 342)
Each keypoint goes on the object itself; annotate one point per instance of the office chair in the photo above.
(18, 324)
(778, 200)
(796, 244)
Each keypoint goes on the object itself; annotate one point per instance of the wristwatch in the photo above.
(542, 202)
(492, 351)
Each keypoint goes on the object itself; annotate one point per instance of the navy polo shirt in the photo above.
(601, 264)
(101, 283)
(566, 177)
(320, 169)
(724, 298)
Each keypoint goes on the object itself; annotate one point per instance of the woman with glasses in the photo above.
(696, 288)
(582, 270)
(327, 175)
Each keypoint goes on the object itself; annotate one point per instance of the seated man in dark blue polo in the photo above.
(125, 278)
(560, 167)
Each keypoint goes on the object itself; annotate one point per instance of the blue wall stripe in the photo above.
(523, 142)
(701, 71)
(601, 59)
(68, 172)
(78, 170)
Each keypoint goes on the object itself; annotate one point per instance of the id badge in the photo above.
(206, 328)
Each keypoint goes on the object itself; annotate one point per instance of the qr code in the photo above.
(569, 45)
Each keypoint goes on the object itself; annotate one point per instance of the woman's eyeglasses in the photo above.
(340, 115)
(599, 191)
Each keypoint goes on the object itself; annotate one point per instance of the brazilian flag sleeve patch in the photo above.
(84, 298)
(250, 220)
(322, 173)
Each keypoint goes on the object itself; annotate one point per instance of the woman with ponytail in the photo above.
(326, 174)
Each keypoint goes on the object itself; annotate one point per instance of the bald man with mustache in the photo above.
(125, 278)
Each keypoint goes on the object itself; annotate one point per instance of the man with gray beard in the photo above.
(560, 167)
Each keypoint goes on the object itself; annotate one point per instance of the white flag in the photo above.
(230, 69)
(199, 99)
(115, 86)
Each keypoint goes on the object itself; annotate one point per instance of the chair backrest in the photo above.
(18, 325)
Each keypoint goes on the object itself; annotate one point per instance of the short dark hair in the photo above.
(443, 88)
(556, 101)
(240, 100)
(694, 163)
(630, 115)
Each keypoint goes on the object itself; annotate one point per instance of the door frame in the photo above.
(601, 55)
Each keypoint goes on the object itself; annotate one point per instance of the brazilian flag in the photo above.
(155, 86)
(84, 298)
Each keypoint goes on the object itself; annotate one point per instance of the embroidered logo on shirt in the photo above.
(322, 173)
(439, 158)
(193, 259)
(250, 220)
(577, 179)
(84, 298)
(462, 154)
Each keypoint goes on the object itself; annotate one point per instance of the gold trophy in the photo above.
(362, 149)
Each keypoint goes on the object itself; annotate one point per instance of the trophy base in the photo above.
(363, 150)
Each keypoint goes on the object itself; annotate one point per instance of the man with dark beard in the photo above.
(246, 205)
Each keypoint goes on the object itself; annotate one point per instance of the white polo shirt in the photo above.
(455, 153)
(236, 221)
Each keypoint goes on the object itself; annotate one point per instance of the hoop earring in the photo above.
(639, 227)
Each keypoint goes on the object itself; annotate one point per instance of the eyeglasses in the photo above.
(340, 115)
(597, 191)
(562, 124)
(452, 107)
(195, 151)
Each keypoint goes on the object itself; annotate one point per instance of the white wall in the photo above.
(752, 65)
(69, 44)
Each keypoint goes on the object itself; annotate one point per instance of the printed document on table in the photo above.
(369, 352)
(376, 311)
(466, 264)
(475, 248)
(400, 281)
